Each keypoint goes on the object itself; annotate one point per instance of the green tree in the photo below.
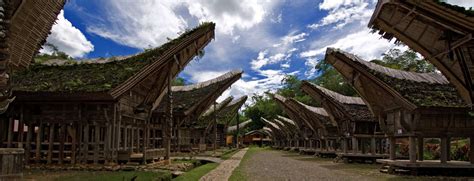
(407, 61)
(264, 106)
(331, 79)
(56, 54)
(179, 81)
(291, 88)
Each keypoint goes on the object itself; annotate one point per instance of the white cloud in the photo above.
(343, 12)
(464, 3)
(67, 38)
(139, 24)
(363, 43)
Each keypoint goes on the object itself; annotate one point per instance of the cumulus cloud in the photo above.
(343, 12)
(67, 38)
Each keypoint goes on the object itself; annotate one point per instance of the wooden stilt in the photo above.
(444, 150)
(132, 130)
(74, 137)
(62, 138)
(29, 136)
(393, 143)
(412, 149)
(448, 145)
(10, 132)
(471, 149)
(51, 140)
(21, 129)
(355, 145)
(39, 139)
(373, 146)
(85, 151)
(420, 148)
(96, 143)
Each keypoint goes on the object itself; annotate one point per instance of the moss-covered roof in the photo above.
(468, 12)
(242, 125)
(186, 97)
(91, 77)
(224, 112)
(422, 89)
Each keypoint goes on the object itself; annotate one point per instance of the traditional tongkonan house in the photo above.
(24, 26)
(441, 32)
(302, 132)
(189, 103)
(324, 130)
(226, 115)
(280, 137)
(97, 112)
(408, 104)
(292, 136)
(232, 132)
(355, 122)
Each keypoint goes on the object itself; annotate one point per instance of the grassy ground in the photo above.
(226, 155)
(101, 176)
(237, 174)
(196, 173)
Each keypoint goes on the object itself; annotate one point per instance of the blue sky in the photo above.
(267, 39)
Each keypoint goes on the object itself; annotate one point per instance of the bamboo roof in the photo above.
(275, 128)
(338, 106)
(316, 116)
(24, 26)
(420, 89)
(441, 32)
(116, 77)
(196, 98)
(241, 126)
(224, 113)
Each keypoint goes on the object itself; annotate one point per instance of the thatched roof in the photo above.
(24, 27)
(223, 112)
(317, 116)
(102, 77)
(186, 99)
(442, 33)
(291, 112)
(241, 126)
(347, 107)
(274, 128)
(421, 89)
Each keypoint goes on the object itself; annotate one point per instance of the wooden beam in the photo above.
(74, 143)
(471, 149)
(85, 152)
(21, 128)
(62, 136)
(10, 132)
(392, 150)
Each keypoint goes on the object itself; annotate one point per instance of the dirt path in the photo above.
(225, 168)
(277, 165)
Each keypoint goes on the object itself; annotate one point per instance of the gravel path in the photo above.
(225, 168)
(276, 165)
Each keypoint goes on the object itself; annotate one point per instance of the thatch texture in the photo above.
(352, 108)
(316, 116)
(101, 77)
(201, 95)
(242, 125)
(442, 33)
(24, 28)
(422, 89)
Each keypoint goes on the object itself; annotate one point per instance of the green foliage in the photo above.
(332, 80)
(179, 81)
(56, 54)
(407, 61)
(264, 106)
(291, 89)
(197, 173)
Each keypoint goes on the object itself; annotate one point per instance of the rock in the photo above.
(177, 173)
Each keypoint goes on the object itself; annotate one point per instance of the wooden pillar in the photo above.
(444, 150)
(412, 148)
(39, 142)
(21, 131)
(108, 142)
(373, 146)
(125, 138)
(420, 148)
(85, 153)
(10, 132)
(169, 115)
(448, 145)
(96, 143)
(132, 139)
(51, 140)
(355, 145)
(74, 136)
(29, 136)
(62, 136)
(393, 143)
(471, 149)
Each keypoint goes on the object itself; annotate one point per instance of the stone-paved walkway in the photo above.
(224, 170)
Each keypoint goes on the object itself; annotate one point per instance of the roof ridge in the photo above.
(199, 85)
(339, 97)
